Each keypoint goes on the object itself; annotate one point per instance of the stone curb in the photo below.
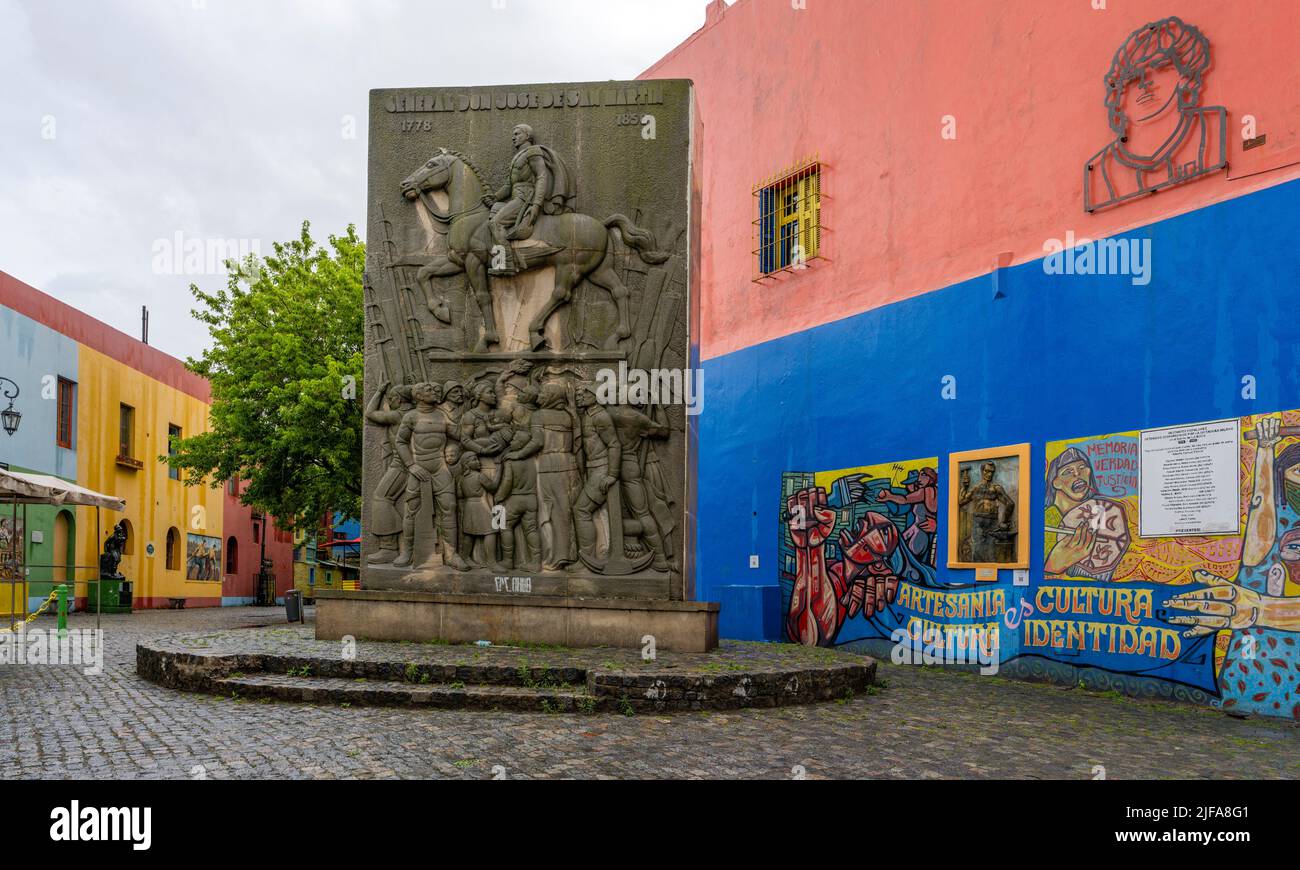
(491, 686)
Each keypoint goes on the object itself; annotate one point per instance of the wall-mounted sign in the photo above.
(1163, 136)
(1188, 480)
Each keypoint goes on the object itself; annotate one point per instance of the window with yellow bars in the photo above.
(787, 229)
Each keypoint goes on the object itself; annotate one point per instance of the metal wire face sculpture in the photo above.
(1163, 136)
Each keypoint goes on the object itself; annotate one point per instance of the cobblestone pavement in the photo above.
(926, 723)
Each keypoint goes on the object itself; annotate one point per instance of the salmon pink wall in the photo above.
(866, 84)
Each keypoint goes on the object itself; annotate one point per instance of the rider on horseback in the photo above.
(540, 183)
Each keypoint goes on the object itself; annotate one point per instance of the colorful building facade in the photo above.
(330, 559)
(251, 537)
(938, 291)
(98, 409)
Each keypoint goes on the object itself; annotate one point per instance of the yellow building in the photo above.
(124, 424)
(98, 408)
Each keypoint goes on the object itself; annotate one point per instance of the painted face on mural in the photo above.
(1291, 487)
(1074, 479)
(1289, 548)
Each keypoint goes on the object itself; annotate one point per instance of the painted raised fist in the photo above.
(809, 518)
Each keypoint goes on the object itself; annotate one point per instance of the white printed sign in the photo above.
(1188, 480)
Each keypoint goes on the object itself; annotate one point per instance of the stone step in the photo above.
(291, 665)
(524, 675)
(393, 693)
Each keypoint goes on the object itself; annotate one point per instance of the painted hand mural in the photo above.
(828, 591)
(1260, 664)
(1231, 600)
(1222, 605)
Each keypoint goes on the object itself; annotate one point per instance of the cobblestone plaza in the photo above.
(925, 723)
(730, 390)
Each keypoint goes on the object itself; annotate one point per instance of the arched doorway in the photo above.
(232, 555)
(173, 553)
(128, 548)
(64, 556)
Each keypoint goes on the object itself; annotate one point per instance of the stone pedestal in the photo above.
(383, 615)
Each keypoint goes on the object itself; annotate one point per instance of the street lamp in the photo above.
(9, 417)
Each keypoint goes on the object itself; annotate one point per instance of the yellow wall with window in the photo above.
(155, 504)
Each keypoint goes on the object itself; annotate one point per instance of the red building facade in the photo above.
(250, 537)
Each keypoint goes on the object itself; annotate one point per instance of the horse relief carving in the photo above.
(527, 224)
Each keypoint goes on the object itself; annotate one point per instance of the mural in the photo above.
(1252, 614)
(1103, 599)
(203, 558)
(1091, 509)
(9, 541)
(1226, 607)
(1207, 618)
(851, 539)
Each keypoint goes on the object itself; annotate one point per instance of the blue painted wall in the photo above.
(29, 351)
(1059, 357)
(348, 528)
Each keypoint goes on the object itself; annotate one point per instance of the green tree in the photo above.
(285, 368)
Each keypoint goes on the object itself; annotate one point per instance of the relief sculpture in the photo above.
(495, 316)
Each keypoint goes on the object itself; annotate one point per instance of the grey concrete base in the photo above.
(686, 626)
(644, 585)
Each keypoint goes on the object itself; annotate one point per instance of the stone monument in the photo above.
(531, 368)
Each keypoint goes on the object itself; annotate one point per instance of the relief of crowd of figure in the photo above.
(517, 468)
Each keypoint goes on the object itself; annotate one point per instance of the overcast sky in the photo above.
(125, 122)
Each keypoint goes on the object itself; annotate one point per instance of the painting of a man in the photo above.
(203, 558)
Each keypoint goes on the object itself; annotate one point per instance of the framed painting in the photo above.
(988, 524)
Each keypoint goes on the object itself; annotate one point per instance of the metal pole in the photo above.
(261, 561)
(99, 589)
(23, 563)
(12, 558)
